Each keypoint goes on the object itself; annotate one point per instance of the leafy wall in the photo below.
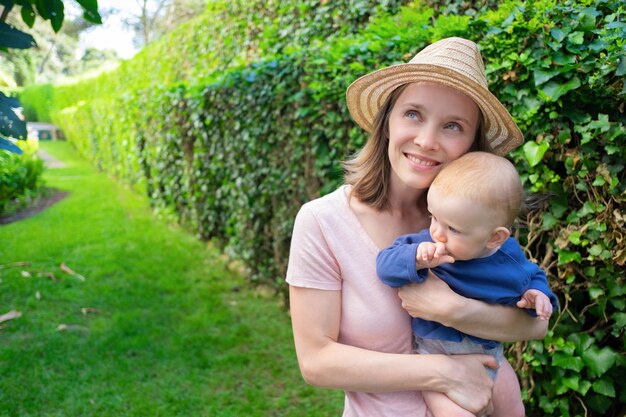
(247, 121)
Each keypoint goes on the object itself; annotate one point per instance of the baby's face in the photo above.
(463, 226)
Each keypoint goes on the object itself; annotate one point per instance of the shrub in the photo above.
(559, 66)
(20, 177)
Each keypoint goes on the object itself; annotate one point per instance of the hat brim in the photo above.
(366, 95)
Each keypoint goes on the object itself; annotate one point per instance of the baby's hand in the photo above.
(537, 300)
(430, 255)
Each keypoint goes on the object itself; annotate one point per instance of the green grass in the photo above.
(174, 332)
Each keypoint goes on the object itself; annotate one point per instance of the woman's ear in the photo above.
(498, 236)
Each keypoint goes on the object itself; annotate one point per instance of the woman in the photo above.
(350, 331)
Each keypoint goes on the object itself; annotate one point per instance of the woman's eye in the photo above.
(454, 126)
(412, 114)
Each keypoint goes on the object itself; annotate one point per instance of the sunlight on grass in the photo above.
(159, 326)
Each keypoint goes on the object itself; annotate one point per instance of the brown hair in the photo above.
(485, 179)
(369, 171)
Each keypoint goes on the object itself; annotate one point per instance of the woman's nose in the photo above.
(426, 138)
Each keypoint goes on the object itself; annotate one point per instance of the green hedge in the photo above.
(20, 177)
(560, 69)
(232, 145)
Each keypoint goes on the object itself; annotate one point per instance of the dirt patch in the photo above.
(39, 205)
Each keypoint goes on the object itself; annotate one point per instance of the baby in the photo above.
(473, 203)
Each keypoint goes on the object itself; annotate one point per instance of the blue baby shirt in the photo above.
(501, 278)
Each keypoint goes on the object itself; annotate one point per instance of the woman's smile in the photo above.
(420, 161)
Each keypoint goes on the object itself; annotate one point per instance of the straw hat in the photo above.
(452, 62)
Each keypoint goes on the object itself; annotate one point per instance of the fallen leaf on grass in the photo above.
(69, 271)
(71, 328)
(87, 310)
(14, 264)
(13, 314)
(66, 269)
(51, 276)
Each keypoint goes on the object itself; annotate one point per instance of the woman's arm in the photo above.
(434, 300)
(324, 362)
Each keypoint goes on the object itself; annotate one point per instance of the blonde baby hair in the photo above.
(486, 179)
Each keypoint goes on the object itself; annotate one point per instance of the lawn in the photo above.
(152, 322)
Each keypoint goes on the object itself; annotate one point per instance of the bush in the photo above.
(20, 177)
(560, 68)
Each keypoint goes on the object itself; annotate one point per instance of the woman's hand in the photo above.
(434, 300)
(430, 300)
(469, 384)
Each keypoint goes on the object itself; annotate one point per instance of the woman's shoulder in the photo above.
(330, 212)
(334, 202)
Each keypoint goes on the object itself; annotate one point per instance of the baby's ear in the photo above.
(498, 237)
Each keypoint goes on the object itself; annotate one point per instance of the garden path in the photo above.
(49, 160)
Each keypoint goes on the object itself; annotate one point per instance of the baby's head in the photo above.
(473, 202)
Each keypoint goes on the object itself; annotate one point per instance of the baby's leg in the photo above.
(507, 399)
(441, 406)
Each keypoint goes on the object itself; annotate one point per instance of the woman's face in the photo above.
(429, 126)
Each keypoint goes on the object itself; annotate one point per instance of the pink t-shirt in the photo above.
(330, 250)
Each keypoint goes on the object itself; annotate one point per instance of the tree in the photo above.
(55, 55)
(11, 124)
(154, 18)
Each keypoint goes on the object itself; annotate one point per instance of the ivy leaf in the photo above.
(573, 382)
(574, 237)
(577, 38)
(615, 25)
(595, 250)
(602, 123)
(534, 152)
(552, 91)
(561, 58)
(599, 360)
(595, 292)
(541, 76)
(549, 221)
(582, 341)
(567, 362)
(587, 18)
(564, 384)
(597, 45)
(566, 256)
(558, 34)
(604, 387)
(584, 387)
